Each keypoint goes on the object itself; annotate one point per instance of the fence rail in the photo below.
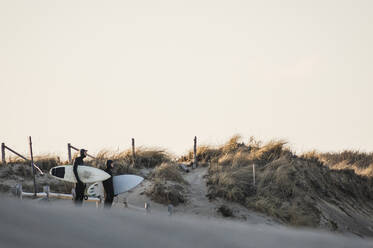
(69, 147)
(4, 147)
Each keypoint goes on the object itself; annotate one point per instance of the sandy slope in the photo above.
(36, 224)
(197, 204)
(57, 223)
(200, 206)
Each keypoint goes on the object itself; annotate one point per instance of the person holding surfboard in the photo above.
(79, 186)
(108, 185)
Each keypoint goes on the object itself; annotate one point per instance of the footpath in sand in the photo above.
(197, 201)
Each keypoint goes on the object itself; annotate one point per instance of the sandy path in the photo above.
(197, 203)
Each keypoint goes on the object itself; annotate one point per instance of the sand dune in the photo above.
(33, 223)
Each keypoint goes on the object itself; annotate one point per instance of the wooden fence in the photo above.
(5, 148)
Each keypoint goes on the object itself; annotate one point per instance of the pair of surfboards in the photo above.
(87, 174)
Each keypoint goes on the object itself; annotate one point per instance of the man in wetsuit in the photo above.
(108, 185)
(79, 186)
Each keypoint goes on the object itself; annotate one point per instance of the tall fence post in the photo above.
(254, 174)
(133, 153)
(69, 152)
(32, 166)
(195, 153)
(3, 154)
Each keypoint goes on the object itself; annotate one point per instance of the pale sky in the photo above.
(97, 73)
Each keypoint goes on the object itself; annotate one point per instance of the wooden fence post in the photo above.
(69, 152)
(3, 154)
(133, 153)
(195, 153)
(32, 166)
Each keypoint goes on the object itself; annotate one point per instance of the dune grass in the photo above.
(145, 157)
(168, 185)
(288, 187)
(169, 171)
(360, 162)
(45, 161)
(20, 170)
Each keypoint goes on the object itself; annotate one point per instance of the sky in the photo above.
(98, 73)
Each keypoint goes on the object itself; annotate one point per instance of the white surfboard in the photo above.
(121, 184)
(86, 174)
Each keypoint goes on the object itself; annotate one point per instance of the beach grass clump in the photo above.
(269, 152)
(22, 167)
(232, 145)
(360, 162)
(46, 162)
(168, 185)
(290, 188)
(205, 154)
(6, 171)
(152, 157)
(238, 154)
(124, 160)
(169, 172)
(166, 193)
(12, 160)
(234, 184)
(351, 157)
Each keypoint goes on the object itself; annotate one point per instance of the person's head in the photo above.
(109, 164)
(83, 153)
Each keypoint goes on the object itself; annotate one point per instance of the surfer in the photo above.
(79, 186)
(108, 185)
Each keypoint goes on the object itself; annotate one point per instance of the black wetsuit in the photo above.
(109, 189)
(79, 186)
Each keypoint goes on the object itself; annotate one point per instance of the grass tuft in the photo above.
(169, 172)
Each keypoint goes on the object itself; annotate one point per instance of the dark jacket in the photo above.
(108, 184)
(78, 161)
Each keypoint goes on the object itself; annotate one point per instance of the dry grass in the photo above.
(241, 159)
(359, 159)
(234, 184)
(166, 193)
(361, 163)
(150, 158)
(289, 187)
(44, 162)
(21, 173)
(367, 171)
(237, 154)
(205, 154)
(123, 160)
(169, 172)
(168, 185)
(20, 170)
(232, 145)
